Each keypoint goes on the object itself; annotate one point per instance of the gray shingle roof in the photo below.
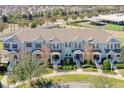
(63, 34)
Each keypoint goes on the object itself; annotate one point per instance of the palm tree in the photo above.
(47, 15)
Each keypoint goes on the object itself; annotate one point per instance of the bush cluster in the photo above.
(42, 83)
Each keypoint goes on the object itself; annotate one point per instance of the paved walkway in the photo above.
(117, 72)
(98, 67)
(67, 73)
(78, 64)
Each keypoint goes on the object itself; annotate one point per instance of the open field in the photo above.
(114, 27)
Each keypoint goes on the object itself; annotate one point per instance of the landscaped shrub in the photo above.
(90, 69)
(64, 68)
(42, 83)
(67, 68)
(3, 68)
(74, 67)
(50, 65)
(97, 23)
(59, 67)
(68, 62)
(33, 25)
(119, 65)
(106, 65)
(86, 64)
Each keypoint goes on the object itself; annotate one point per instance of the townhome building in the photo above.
(63, 44)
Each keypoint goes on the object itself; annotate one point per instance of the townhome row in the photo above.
(63, 44)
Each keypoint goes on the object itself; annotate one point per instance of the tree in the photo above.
(23, 23)
(89, 15)
(74, 16)
(4, 19)
(46, 52)
(122, 55)
(12, 21)
(47, 15)
(81, 16)
(3, 26)
(88, 53)
(33, 24)
(27, 68)
(106, 65)
(40, 22)
(53, 19)
(42, 83)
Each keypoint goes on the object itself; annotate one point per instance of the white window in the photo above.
(118, 45)
(77, 45)
(38, 45)
(55, 46)
(6, 45)
(28, 44)
(107, 46)
(67, 44)
(111, 46)
(15, 46)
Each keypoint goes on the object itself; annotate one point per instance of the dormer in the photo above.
(112, 43)
(39, 39)
(54, 43)
(94, 43)
(38, 42)
(12, 43)
(77, 42)
(77, 39)
(12, 39)
(54, 40)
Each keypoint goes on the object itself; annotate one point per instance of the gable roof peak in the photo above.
(54, 38)
(39, 38)
(111, 39)
(76, 38)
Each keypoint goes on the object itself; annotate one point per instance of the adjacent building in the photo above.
(110, 18)
(63, 44)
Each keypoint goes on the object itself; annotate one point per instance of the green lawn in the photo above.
(114, 27)
(121, 72)
(108, 72)
(85, 24)
(97, 81)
